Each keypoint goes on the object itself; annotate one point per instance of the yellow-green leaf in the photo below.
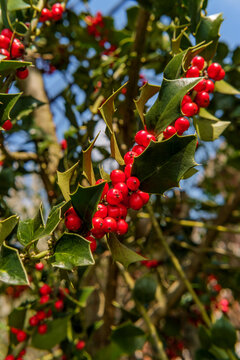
(64, 179)
(7, 226)
(87, 163)
(224, 88)
(147, 91)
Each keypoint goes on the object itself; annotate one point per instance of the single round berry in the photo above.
(129, 157)
(144, 196)
(193, 71)
(22, 73)
(70, 212)
(63, 144)
(93, 243)
(9, 357)
(17, 49)
(202, 99)
(7, 125)
(7, 32)
(133, 183)
(22, 353)
(198, 61)
(186, 99)
(6, 53)
(14, 330)
(49, 313)
(33, 321)
(105, 189)
(73, 222)
(213, 70)
(97, 223)
(135, 201)
(42, 329)
(190, 109)
(39, 266)
(181, 124)
(138, 149)
(169, 132)
(57, 13)
(44, 299)
(4, 42)
(80, 345)
(209, 86)
(117, 176)
(128, 170)
(21, 336)
(59, 305)
(46, 15)
(141, 136)
(109, 225)
(221, 75)
(148, 138)
(122, 211)
(98, 234)
(45, 289)
(41, 315)
(113, 211)
(101, 211)
(122, 227)
(122, 187)
(201, 85)
(114, 197)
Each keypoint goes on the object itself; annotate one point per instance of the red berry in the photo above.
(101, 211)
(186, 99)
(114, 197)
(41, 315)
(6, 53)
(117, 176)
(46, 14)
(45, 289)
(122, 187)
(33, 321)
(213, 70)
(202, 99)
(63, 144)
(7, 125)
(9, 357)
(44, 299)
(221, 75)
(144, 196)
(122, 211)
(93, 244)
(169, 132)
(4, 42)
(14, 330)
(113, 211)
(57, 13)
(138, 149)
(129, 157)
(59, 305)
(73, 222)
(105, 189)
(201, 85)
(70, 212)
(209, 86)
(109, 224)
(42, 329)
(128, 170)
(181, 124)
(141, 136)
(147, 140)
(17, 49)
(39, 266)
(97, 223)
(193, 71)
(22, 73)
(190, 109)
(198, 61)
(21, 336)
(22, 353)
(98, 233)
(64, 291)
(80, 345)
(122, 227)
(49, 313)
(7, 32)
(133, 183)
(135, 201)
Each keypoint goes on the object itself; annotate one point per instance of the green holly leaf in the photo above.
(176, 42)
(7, 66)
(107, 110)
(12, 270)
(5, 18)
(14, 5)
(85, 201)
(162, 165)
(28, 228)
(16, 319)
(194, 10)
(128, 337)
(223, 334)
(122, 253)
(208, 127)
(145, 289)
(71, 251)
(7, 101)
(208, 30)
(87, 163)
(224, 88)
(7, 226)
(25, 106)
(167, 107)
(147, 91)
(64, 180)
(111, 351)
(56, 332)
(85, 292)
(204, 337)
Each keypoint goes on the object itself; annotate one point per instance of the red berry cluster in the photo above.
(174, 348)
(55, 13)
(199, 96)
(15, 291)
(20, 356)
